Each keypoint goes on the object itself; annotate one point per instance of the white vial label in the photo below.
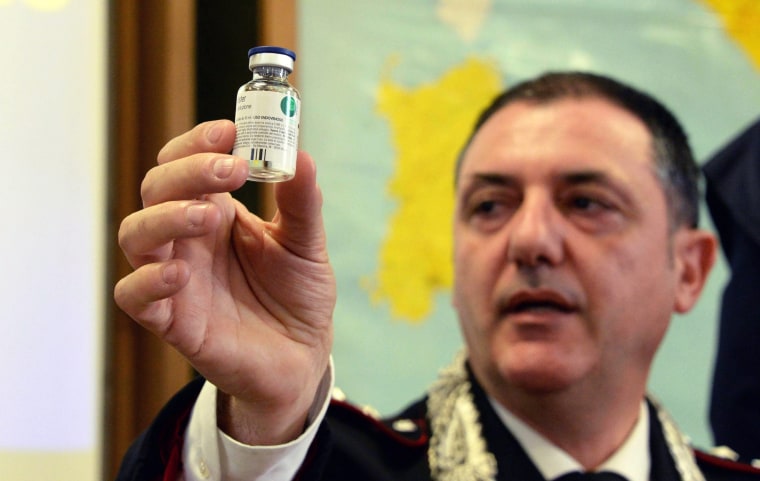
(267, 133)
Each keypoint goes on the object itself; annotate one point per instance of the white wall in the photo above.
(52, 213)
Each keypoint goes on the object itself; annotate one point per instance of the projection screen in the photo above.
(53, 208)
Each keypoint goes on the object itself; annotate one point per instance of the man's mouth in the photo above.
(537, 301)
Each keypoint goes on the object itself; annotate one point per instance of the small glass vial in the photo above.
(267, 116)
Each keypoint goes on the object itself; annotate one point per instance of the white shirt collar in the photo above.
(632, 460)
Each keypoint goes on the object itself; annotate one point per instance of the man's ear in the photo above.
(695, 251)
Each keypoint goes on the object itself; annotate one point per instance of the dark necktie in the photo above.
(601, 476)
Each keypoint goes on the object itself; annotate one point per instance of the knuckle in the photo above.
(146, 187)
(121, 236)
(120, 295)
(166, 153)
(131, 228)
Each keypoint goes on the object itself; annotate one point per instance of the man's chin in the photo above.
(540, 377)
(539, 384)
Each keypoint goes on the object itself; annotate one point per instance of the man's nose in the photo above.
(536, 232)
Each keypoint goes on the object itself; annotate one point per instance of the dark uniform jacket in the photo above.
(352, 446)
(733, 197)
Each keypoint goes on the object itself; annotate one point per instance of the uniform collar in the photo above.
(458, 448)
(631, 460)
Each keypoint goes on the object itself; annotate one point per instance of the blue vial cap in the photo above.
(268, 49)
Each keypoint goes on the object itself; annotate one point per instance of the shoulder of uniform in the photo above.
(409, 428)
(725, 459)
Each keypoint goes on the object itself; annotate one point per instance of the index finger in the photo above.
(212, 136)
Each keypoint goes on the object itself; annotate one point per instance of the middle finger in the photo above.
(147, 235)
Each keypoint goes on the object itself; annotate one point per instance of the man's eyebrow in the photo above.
(597, 177)
(571, 178)
(486, 178)
(580, 177)
(585, 177)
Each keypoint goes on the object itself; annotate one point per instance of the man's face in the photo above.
(564, 267)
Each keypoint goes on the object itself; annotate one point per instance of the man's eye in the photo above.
(583, 203)
(488, 209)
(484, 207)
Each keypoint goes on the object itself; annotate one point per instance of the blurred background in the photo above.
(91, 90)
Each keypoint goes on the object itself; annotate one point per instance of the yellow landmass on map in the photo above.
(741, 19)
(429, 124)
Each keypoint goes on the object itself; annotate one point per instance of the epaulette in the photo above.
(724, 459)
(405, 429)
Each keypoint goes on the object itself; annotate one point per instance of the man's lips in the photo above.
(536, 301)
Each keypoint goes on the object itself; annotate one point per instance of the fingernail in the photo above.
(214, 133)
(170, 274)
(223, 167)
(196, 214)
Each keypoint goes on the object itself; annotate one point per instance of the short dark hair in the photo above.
(673, 157)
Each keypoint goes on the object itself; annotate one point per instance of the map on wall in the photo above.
(390, 92)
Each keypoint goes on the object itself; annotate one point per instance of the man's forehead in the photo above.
(589, 110)
(569, 130)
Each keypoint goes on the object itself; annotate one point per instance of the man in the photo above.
(575, 240)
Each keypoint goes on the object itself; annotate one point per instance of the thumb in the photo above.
(299, 211)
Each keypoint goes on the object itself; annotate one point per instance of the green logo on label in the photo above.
(288, 106)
